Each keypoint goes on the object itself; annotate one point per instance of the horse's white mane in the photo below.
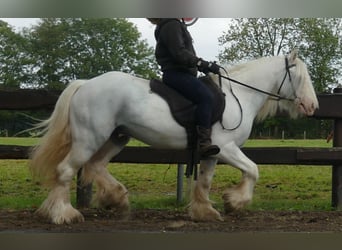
(271, 107)
(244, 65)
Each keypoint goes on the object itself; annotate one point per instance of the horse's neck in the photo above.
(262, 74)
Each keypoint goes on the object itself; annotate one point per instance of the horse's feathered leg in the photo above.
(56, 161)
(200, 207)
(239, 196)
(110, 193)
(57, 206)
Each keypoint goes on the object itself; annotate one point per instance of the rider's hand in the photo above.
(214, 68)
(207, 67)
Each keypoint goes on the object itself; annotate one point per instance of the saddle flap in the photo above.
(182, 109)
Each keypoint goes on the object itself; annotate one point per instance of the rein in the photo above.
(277, 96)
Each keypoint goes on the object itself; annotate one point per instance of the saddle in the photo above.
(183, 110)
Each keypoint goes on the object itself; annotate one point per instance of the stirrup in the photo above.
(208, 151)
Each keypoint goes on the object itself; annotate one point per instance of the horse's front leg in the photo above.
(240, 195)
(201, 208)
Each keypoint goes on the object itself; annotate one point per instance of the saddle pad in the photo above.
(182, 109)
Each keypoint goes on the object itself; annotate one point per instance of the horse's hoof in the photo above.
(228, 208)
(60, 215)
(68, 220)
(231, 204)
(204, 213)
(208, 217)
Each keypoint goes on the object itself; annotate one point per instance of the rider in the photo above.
(176, 56)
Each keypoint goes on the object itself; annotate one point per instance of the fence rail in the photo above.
(260, 155)
(329, 109)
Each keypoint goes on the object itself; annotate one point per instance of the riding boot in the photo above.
(206, 149)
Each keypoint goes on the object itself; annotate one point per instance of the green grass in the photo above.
(21, 141)
(154, 186)
(287, 143)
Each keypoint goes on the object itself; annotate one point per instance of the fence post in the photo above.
(180, 173)
(83, 193)
(337, 170)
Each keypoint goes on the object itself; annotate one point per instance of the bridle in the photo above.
(276, 97)
(287, 73)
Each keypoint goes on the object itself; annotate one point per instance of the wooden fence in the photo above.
(330, 108)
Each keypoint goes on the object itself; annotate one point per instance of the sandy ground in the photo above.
(171, 221)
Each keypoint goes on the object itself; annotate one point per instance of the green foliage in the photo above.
(319, 44)
(250, 38)
(318, 39)
(12, 123)
(321, 49)
(78, 48)
(12, 57)
(293, 129)
(58, 50)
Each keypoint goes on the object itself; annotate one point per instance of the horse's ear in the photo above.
(293, 55)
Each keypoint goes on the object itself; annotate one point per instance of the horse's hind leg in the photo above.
(110, 193)
(201, 208)
(57, 206)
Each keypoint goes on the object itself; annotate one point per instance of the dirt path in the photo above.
(171, 221)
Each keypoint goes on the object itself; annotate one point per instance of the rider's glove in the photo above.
(207, 67)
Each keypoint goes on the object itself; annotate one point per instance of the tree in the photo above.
(76, 48)
(56, 51)
(12, 57)
(322, 51)
(317, 39)
(319, 43)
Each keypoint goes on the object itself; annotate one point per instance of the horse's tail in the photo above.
(56, 140)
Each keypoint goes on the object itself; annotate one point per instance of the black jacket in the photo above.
(174, 49)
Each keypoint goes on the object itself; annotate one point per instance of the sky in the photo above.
(205, 33)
